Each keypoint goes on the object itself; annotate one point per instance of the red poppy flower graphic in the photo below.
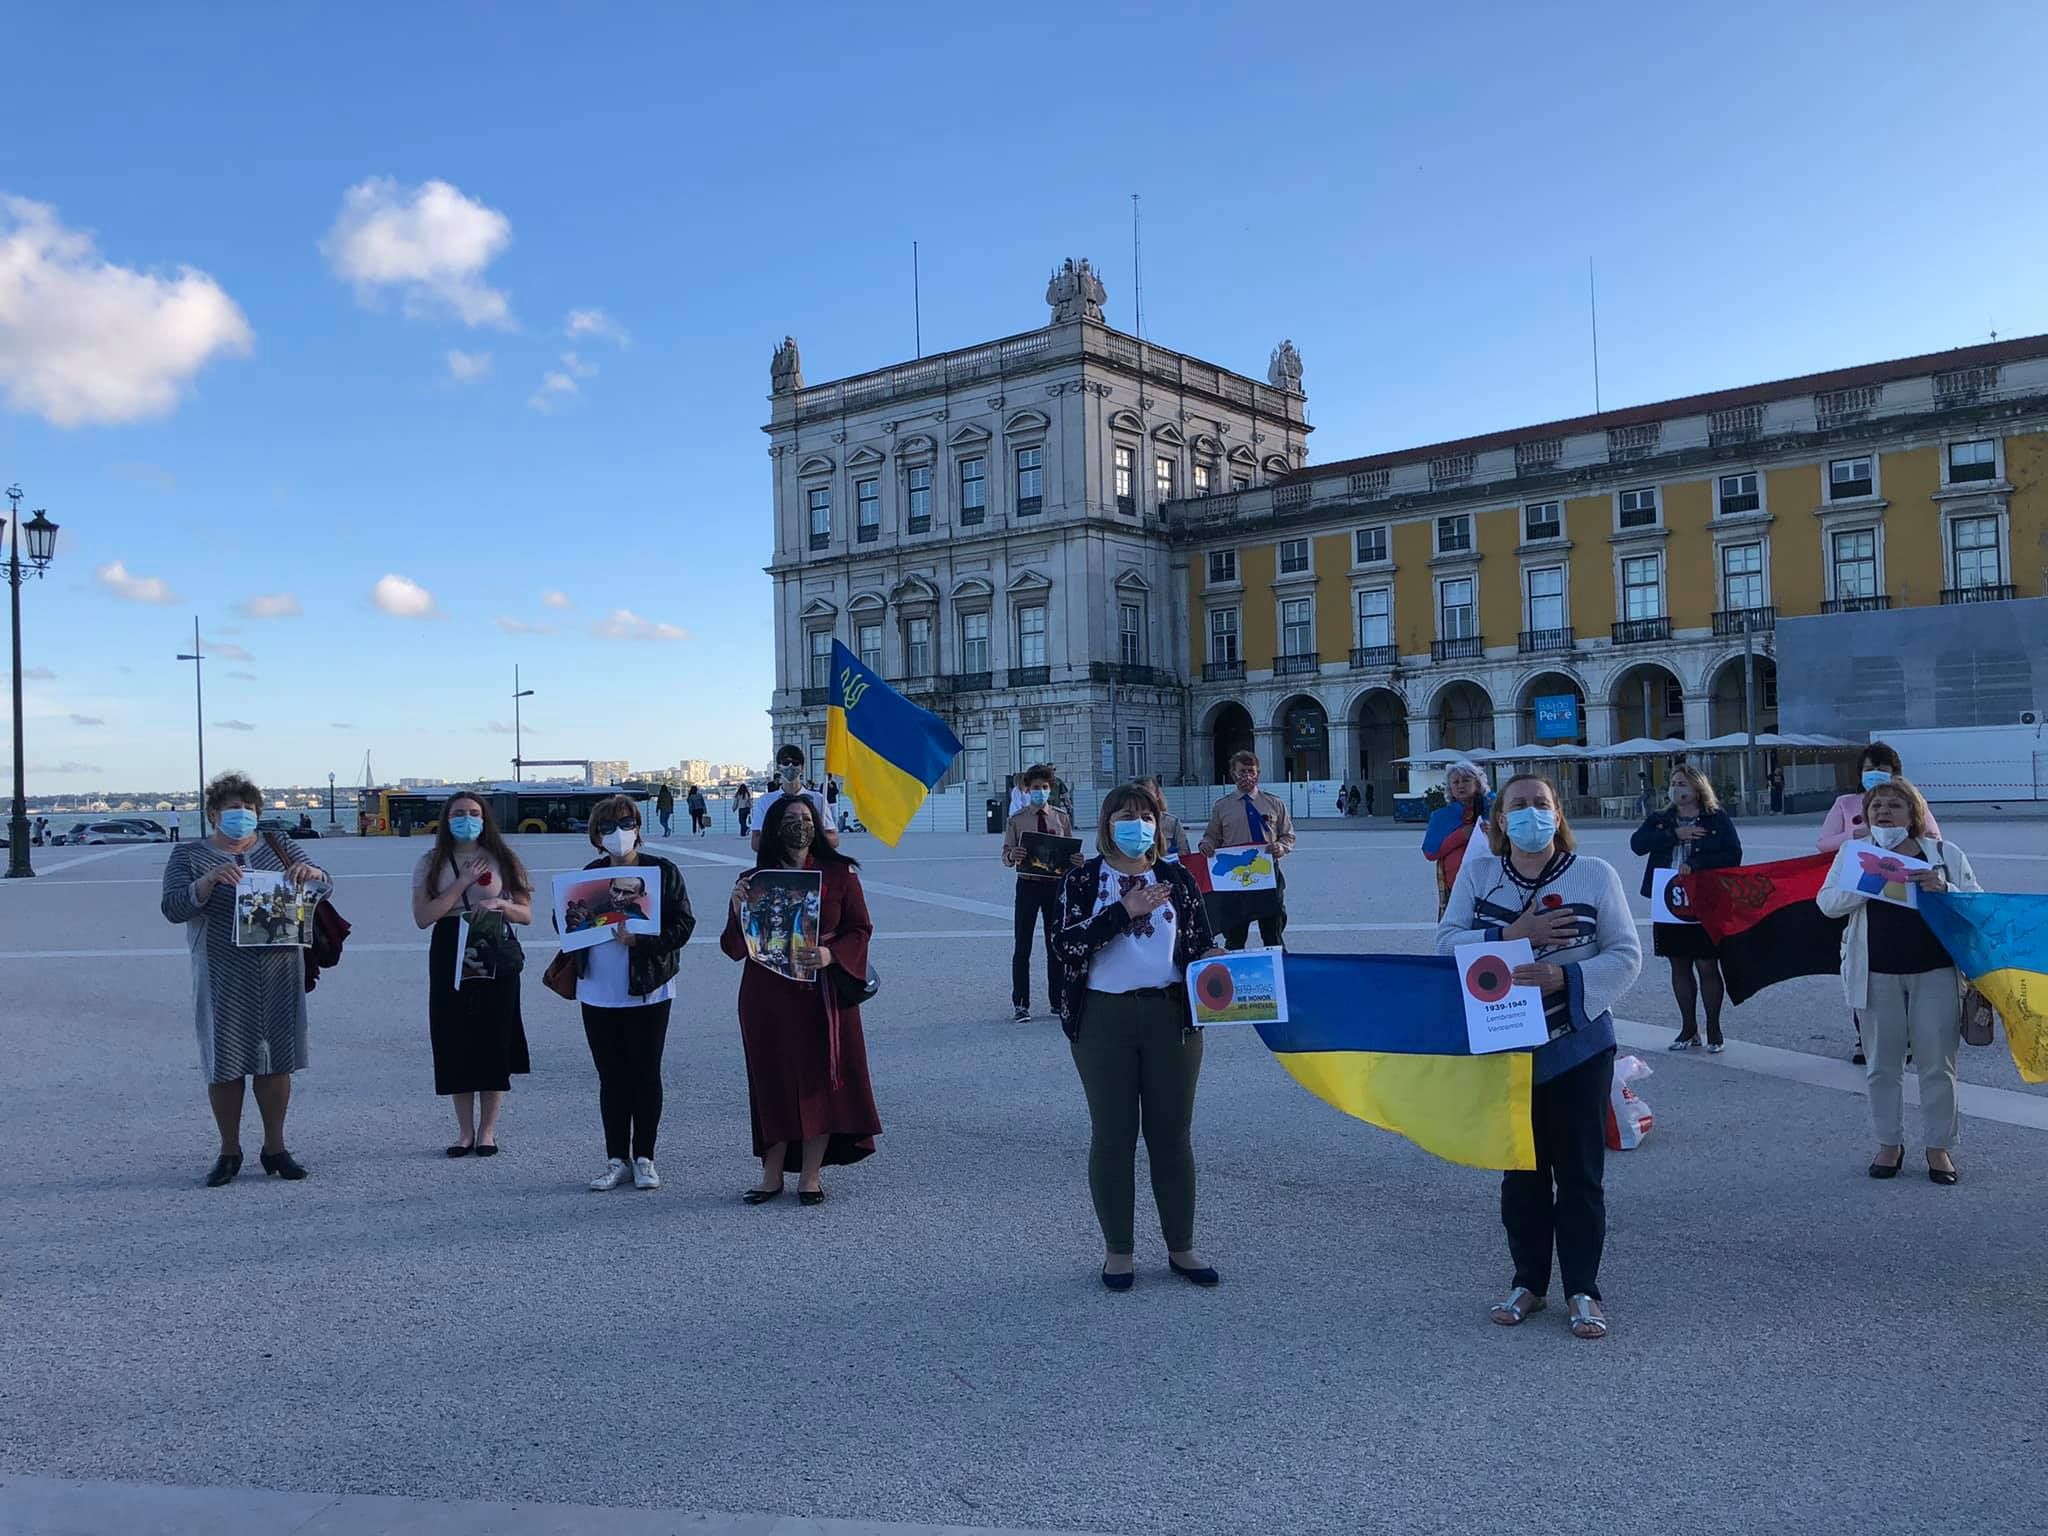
(1553, 900)
(484, 878)
(1215, 988)
(1489, 978)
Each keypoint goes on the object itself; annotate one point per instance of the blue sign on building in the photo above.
(1557, 717)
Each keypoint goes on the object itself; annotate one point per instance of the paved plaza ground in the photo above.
(1795, 1346)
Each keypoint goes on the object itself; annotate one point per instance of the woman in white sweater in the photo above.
(1898, 977)
(1533, 885)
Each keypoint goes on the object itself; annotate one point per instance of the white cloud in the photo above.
(233, 725)
(624, 624)
(243, 677)
(226, 650)
(339, 725)
(83, 340)
(403, 598)
(38, 675)
(556, 599)
(522, 627)
(464, 367)
(87, 720)
(272, 605)
(430, 241)
(577, 368)
(595, 322)
(554, 389)
(67, 766)
(497, 728)
(137, 589)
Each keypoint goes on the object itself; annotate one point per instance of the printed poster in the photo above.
(1248, 987)
(1499, 1016)
(1047, 855)
(1668, 902)
(271, 912)
(780, 915)
(1236, 870)
(1881, 876)
(589, 903)
(472, 959)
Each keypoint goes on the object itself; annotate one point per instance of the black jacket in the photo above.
(652, 962)
(1083, 930)
(1657, 837)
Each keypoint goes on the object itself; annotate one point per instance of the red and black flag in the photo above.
(1763, 918)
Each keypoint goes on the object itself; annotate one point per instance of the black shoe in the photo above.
(224, 1170)
(459, 1150)
(283, 1164)
(761, 1196)
(1206, 1275)
(810, 1197)
(487, 1150)
(1020, 1013)
(1889, 1170)
(1122, 1282)
(1938, 1175)
(1857, 1059)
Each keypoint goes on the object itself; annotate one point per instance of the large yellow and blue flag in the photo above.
(886, 751)
(2000, 942)
(1383, 1038)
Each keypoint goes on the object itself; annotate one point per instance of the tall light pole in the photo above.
(42, 543)
(518, 754)
(198, 660)
(330, 800)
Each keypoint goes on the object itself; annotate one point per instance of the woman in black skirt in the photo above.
(1692, 832)
(471, 874)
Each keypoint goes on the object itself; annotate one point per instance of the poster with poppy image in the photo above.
(1249, 987)
(1499, 1016)
(1881, 875)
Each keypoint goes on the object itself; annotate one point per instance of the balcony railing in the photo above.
(1739, 424)
(868, 533)
(1371, 483)
(1464, 648)
(1374, 658)
(970, 682)
(1450, 469)
(1028, 677)
(1535, 457)
(1985, 594)
(1534, 641)
(1839, 407)
(1741, 621)
(1127, 506)
(1636, 442)
(1030, 506)
(923, 684)
(1876, 604)
(1290, 498)
(1637, 631)
(1222, 671)
(919, 524)
(1961, 386)
(821, 540)
(971, 516)
(1305, 665)
(817, 696)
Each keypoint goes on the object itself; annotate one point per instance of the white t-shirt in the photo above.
(1134, 960)
(606, 980)
(818, 808)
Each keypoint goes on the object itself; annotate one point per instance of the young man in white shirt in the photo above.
(789, 774)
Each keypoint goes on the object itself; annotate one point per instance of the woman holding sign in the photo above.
(1452, 825)
(1571, 908)
(1896, 973)
(1692, 832)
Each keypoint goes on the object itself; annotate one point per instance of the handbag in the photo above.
(560, 975)
(852, 990)
(330, 928)
(1980, 1019)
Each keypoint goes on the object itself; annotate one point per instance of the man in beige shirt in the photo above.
(1251, 816)
(1038, 895)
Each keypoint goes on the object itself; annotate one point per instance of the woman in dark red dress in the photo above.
(807, 1061)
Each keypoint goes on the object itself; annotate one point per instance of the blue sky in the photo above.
(1766, 190)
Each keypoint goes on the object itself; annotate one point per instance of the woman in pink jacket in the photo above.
(1878, 765)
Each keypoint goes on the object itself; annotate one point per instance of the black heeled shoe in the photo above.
(1122, 1282)
(761, 1196)
(487, 1149)
(1939, 1175)
(283, 1164)
(459, 1150)
(810, 1197)
(226, 1168)
(1206, 1275)
(1888, 1170)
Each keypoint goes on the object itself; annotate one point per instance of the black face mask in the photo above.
(797, 835)
(791, 771)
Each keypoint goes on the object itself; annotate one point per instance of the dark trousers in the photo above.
(1561, 1201)
(626, 1045)
(1271, 925)
(1139, 1062)
(746, 815)
(1038, 904)
(667, 830)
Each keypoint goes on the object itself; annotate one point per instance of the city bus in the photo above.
(515, 808)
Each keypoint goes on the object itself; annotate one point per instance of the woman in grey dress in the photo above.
(248, 1001)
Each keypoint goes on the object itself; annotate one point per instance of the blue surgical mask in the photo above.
(1872, 777)
(466, 829)
(1133, 839)
(1040, 796)
(1532, 828)
(237, 823)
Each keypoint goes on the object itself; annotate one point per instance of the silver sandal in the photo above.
(1587, 1323)
(1521, 1305)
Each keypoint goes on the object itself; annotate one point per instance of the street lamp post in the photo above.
(42, 543)
(330, 801)
(198, 660)
(518, 754)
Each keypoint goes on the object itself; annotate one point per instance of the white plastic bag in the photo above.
(1628, 1117)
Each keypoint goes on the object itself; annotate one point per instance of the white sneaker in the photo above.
(614, 1174)
(644, 1176)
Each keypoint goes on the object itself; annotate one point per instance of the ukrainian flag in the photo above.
(1382, 1037)
(883, 748)
(2000, 942)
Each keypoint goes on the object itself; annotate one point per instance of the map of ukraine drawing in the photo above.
(1246, 868)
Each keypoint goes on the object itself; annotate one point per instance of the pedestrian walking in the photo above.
(700, 812)
(743, 806)
(807, 1059)
(789, 770)
(1251, 817)
(1037, 897)
(1901, 981)
(174, 826)
(665, 809)
(470, 887)
(248, 1002)
(1690, 833)
(1368, 799)
(1130, 925)
(1453, 825)
(625, 986)
(1528, 882)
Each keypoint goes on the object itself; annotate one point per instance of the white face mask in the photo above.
(621, 841)
(1889, 837)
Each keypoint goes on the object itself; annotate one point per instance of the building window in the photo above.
(1972, 461)
(1856, 563)
(1130, 634)
(1223, 636)
(973, 642)
(1162, 478)
(1240, 483)
(1639, 507)
(1369, 546)
(1739, 494)
(917, 647)
(973, 490)
(1456, 619)
(1454, 534)
(1030, 748)
(1297, 628)
(921, 499)
(1375, 617)
(1222, 567)
(821, 658)
(867, 505)
(1974, 541)
(1543, 520)
(1641, 591)
(821, 516)
(1201, 479)
(974, 757)
(1030, 480)
(1849, 477)
(1031, 636)
(1293, 556)
(1134, 752)
(867, 641)
(1546, 599)
(1742, 576)
(1126, 490)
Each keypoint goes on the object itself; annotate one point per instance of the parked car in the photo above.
(117, 832)
(283, 828)
(162, 833)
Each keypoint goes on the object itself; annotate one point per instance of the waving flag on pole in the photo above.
(2000, 942)
(883, 748)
